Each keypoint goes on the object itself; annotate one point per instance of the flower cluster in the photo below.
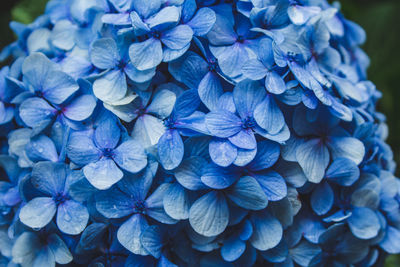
(193, 133)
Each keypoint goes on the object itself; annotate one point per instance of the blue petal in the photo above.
(59, 249)
(313, 157)
(301, 14)
(269, 116)
(254, 69)
(273, 184)
(232, 249)
(104, 53)
(129, 234)
(155, 206)
(244, 157)
(116, 19)
(178, 37)
(222, 33)
(364, 223)
(130, 156)
(248, 194)
(304, 252)
(267, 231)
(247, 95)
(137, 186)
(222, 152)
(170, 149)
(49, 177)
(103, 173)
(322, 199)
(347, 147)
(223, 123)
(176, 202)
(274, 83)
(390, 242)
(151, 240)
(58, 86)
(162, 104)
(277, 254)
(81, 148)
(217, 177)
(189, 69)
(22, 249)
(148, 130)
(146, 55)
(203, 21)
(209, 215)
(38, 212)
(232, 59)
(210, 90)
(189, 173)
(36, 111)
(139, 76)
(164, 19)
(267, 154)
(107, 133)
(80, 108)
(41, 148)
(111, 87)
(72, 217)
(244, 139)
(186, 104)
(151, 7)
(114, 203)
(343, 172)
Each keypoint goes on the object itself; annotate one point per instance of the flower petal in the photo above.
(38, 212)
(209, 215)
(72, 217)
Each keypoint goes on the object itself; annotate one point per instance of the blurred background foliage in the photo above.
(380, 19)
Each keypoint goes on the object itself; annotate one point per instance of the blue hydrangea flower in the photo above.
(53, 181)
(98, 151)
(193, 133)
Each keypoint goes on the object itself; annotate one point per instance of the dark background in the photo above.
(380, 19)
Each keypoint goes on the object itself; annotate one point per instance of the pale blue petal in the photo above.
(347, 147)
(129, 234)
(273, 184)
(223, 123)
(178, 37)
(103, 173)
(170, 149)
(203, 21)
(146, 55)
(209, 215)
(269, 116)
(217, 177)
(104, 53)
(189, 173)
(222, 152)
(148, 130)
(38, 212)
(111, 87)
(176, 202)
(248, 194)
(80, 108)
(313, 157)
(247, 95)
(72, 217)
(364, 223)
(130, 156)
(267, 231)
(35, 111)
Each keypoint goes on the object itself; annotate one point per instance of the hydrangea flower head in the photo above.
(193, 133)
